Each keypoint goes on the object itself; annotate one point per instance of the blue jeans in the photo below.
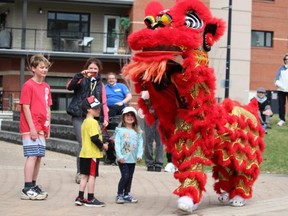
(127, 171)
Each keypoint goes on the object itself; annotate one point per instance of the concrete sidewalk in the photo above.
(153, 190)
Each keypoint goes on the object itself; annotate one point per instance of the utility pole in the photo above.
(23, 41)
(227, 77)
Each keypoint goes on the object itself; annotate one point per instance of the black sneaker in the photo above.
(94, 203)
(108, 162)
(157, 169)
(150, 168)
(80, 201)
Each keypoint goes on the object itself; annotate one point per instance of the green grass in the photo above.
(275, 156)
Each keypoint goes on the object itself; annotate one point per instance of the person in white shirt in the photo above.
(281, 81)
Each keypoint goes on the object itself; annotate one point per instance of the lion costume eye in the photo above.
(193, 21)
(150, 21)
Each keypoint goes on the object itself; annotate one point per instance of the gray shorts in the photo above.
(34, 148)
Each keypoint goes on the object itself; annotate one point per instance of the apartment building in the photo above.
(70, 31)
(269, 41)
(66, 31)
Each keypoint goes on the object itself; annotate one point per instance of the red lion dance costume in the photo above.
(172, 64)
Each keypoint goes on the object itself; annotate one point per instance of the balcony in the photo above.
(62, 43)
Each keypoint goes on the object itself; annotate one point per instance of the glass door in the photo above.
(111, 31)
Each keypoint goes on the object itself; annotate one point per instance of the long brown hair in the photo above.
(135, 125)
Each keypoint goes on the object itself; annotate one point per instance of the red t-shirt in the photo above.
(38, 96)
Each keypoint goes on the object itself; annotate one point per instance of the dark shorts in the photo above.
(89, 166)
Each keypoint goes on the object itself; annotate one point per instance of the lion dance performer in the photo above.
(172, 64)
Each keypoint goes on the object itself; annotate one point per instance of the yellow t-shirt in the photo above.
(89, 128)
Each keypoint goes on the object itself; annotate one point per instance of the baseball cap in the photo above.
(261, 89)
(129, 109)
(90, 103)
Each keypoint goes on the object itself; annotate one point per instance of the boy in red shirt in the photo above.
(35, 118)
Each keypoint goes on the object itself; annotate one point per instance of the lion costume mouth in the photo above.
(163, 48)
(159, 53)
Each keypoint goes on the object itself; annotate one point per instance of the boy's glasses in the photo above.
(261, 92)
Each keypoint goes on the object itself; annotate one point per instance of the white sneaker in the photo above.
(281, 123)
(170, 168)
(32, 194)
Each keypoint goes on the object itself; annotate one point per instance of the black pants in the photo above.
(282, 102)
(115, 110)
(169, 157)
(125, 183)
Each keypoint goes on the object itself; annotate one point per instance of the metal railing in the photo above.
(44, 40)
(9, 100)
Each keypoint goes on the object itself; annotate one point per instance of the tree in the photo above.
(124, 28)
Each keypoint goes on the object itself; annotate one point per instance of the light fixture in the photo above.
(40, 11)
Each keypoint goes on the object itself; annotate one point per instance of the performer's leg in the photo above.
(238, 154)
(233, 186)
(189, 158)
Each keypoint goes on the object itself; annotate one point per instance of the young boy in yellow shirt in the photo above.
(91, 152)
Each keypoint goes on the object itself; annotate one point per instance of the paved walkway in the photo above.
(154, 191)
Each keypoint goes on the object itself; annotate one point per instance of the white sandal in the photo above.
(237, 201)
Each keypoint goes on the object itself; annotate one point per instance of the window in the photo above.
(261, 38)
(111, 27)
(57, 82)
(60, 101)
(60, 96)
(70, 25)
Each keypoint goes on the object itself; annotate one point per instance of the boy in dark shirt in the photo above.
(264, 105)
